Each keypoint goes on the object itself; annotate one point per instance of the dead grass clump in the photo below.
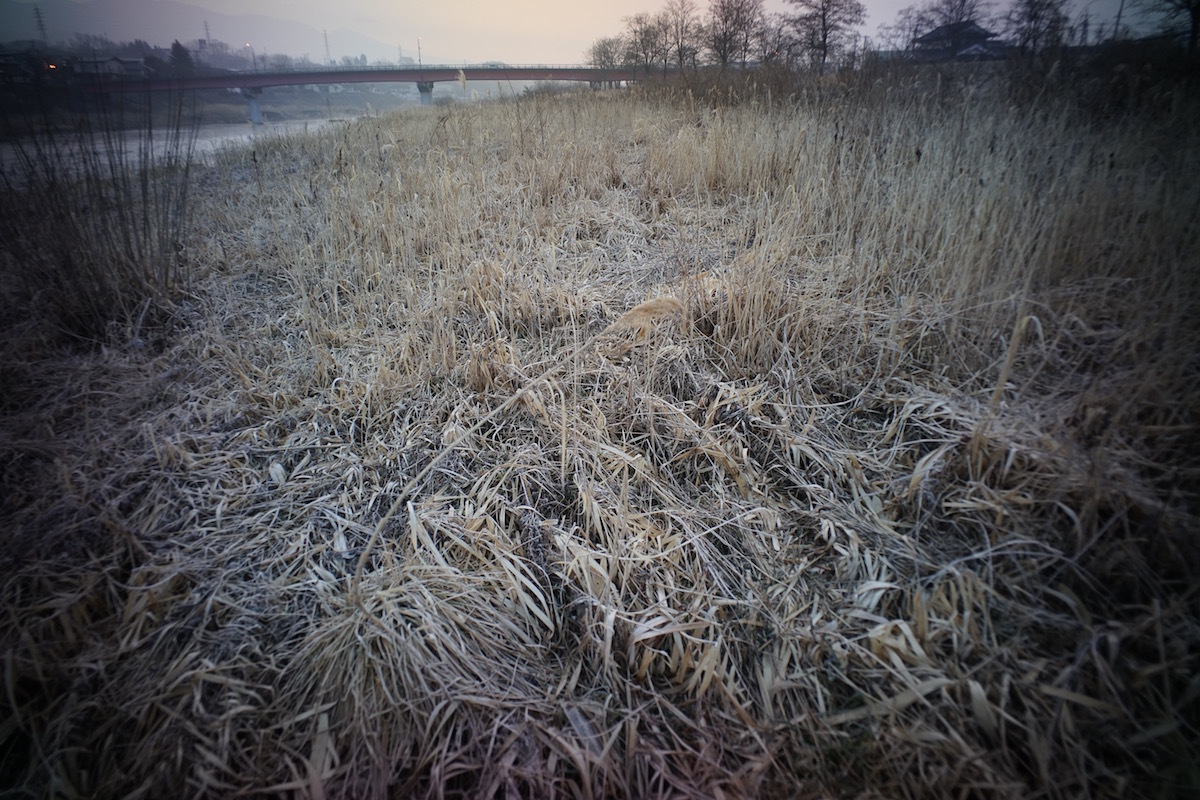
(94, 218)
(592, 446)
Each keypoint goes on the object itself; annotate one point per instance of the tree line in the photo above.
(824, 33)
(182, 59)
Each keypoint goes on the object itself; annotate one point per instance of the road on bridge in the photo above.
(427, 75)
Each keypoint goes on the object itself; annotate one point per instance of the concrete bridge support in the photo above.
(252, 96)
(426, 90)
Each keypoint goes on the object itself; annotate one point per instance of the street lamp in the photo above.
(253, 57)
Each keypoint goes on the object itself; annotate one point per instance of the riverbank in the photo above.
(63, 108)
(631, 444)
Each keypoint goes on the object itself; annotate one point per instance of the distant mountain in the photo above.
(160, 22)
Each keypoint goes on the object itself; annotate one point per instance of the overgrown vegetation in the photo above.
(833, 440)
(94, 216)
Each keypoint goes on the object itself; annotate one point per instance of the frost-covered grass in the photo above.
(635, 444)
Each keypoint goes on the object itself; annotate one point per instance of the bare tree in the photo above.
(774, 39)
(1037, 25)
(720, 31)
(662, 28)
(93, 43)
(910, 23)
(606, 53)
(644, 40)
(729, 32)
(1175, 12)
(825, 24)
(953, 12)
(683, 32)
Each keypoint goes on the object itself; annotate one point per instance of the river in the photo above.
(209, 139)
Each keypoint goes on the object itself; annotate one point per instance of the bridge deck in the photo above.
(439, 73)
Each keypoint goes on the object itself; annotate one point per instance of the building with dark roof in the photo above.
(959, 41)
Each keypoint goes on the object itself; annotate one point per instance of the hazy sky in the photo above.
(515, 31)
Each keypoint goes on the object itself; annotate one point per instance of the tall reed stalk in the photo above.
(94, 212)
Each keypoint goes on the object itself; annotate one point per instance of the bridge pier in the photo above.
(252, 96)
(426, 90)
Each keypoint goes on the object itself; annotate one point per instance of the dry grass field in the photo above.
(648, 444)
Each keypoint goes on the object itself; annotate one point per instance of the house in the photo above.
(112, 67)
(958, 41)
(33, 63)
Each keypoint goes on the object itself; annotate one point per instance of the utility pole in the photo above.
(41, 24)
(328, 58)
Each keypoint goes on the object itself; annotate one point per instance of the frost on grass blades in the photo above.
(826, 437)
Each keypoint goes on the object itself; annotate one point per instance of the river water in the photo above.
(209, 139)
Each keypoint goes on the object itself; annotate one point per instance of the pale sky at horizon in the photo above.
(515, 31)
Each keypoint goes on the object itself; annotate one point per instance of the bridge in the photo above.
(251, 83)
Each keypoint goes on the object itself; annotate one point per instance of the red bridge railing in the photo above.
(429, 73)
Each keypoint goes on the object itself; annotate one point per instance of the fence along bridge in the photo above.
(252, 83)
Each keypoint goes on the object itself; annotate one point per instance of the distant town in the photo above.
(89, 56)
